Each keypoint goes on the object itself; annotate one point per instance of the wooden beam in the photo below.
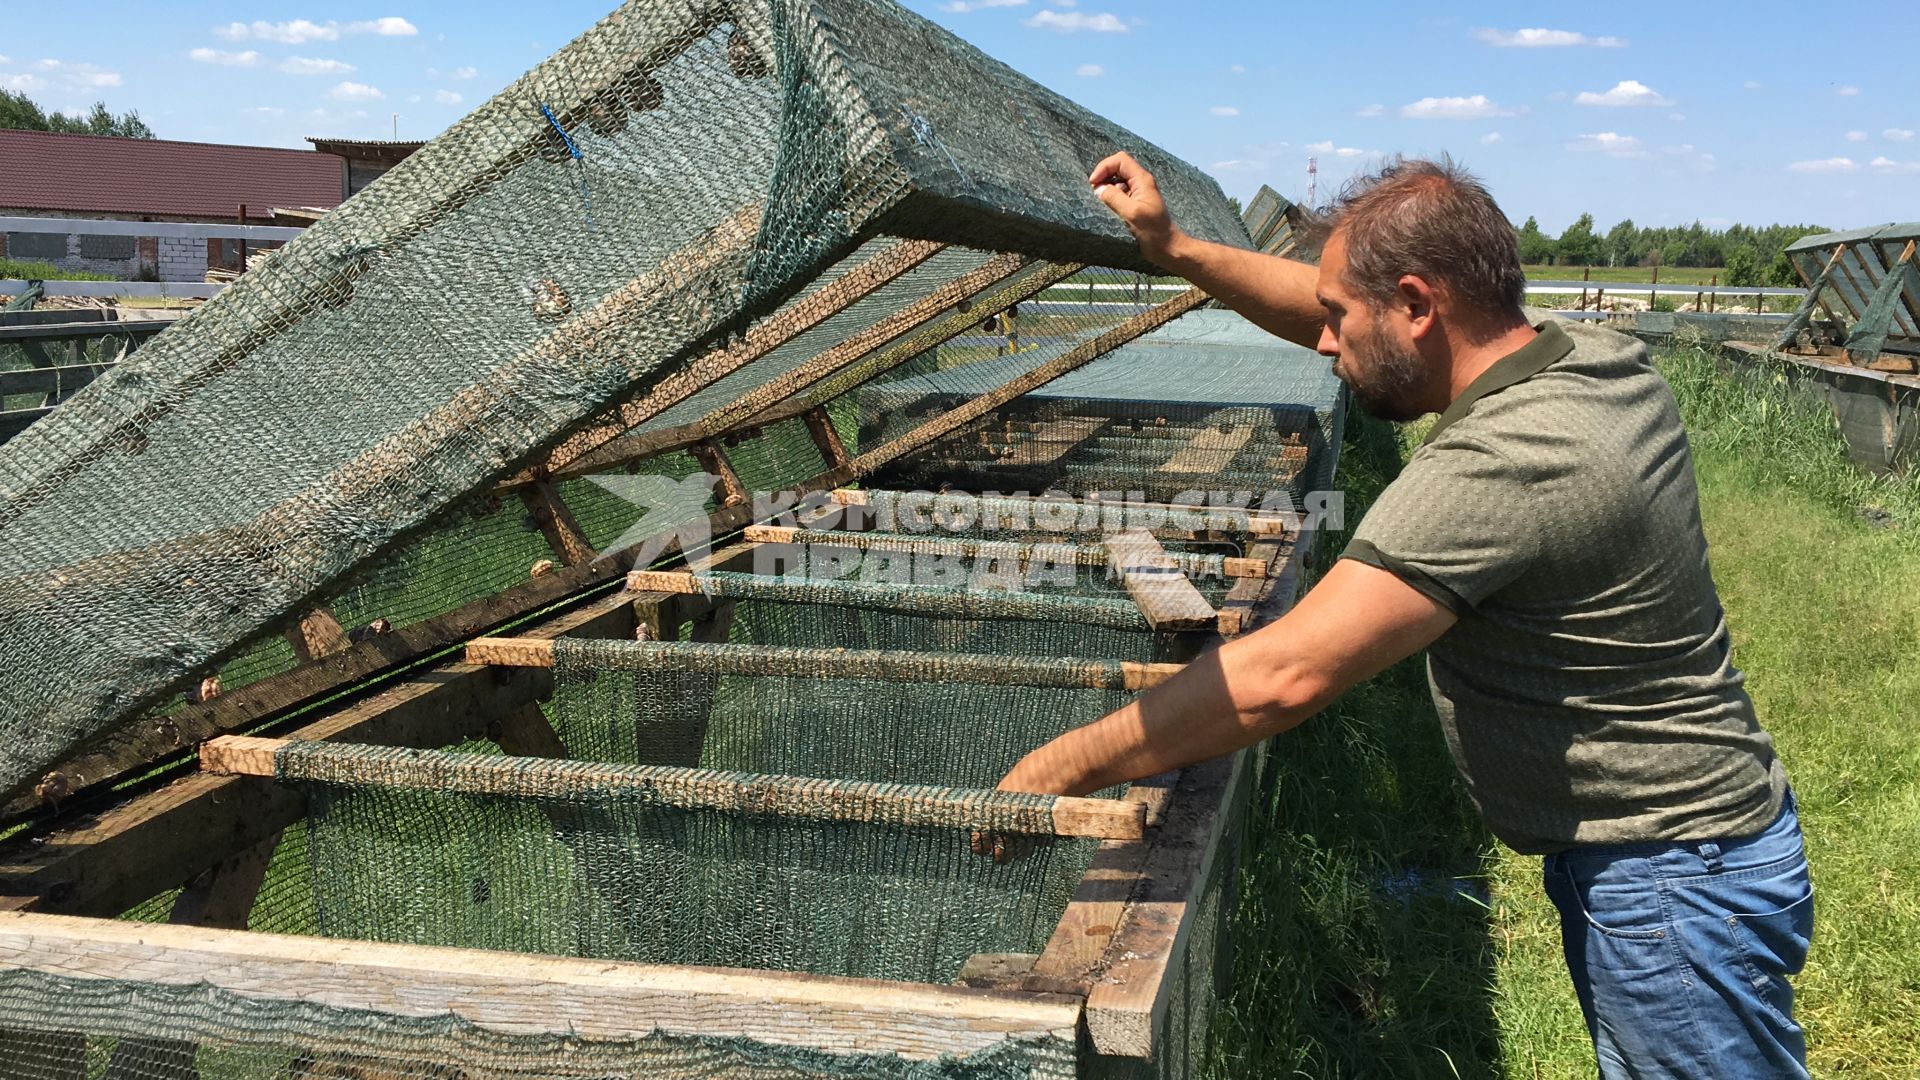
(223, 896)
(941, 544)
(1245, 598)
(556, 522)
(317, 634)
(526, 732)
(558, 997)
(159, 839)
(1218, 518)
(1210, 451)
(714, 460)
(826, 437)
(1074, 358)
(897, 664)
(761, 338)
(1127, 1004)
(907, 805)
(1153, 579)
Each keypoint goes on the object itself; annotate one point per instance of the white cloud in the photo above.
(1224, 110)
(465, 72)
(81, 76)
(1349, 151)
(1750, 84)
(1897, 134)
(1847, 90)
(1490, 138)
(1233, 165)
(1067, 22)
(1856, 136)
(301, 31)
(267, 110)
(6, 59)
(353, 91)
(1322, 147)
(1476, 107)
(1238, 69)
(1373, 110)
(1888, 165)
(1089, 71)
(1824, 165)
(20, 84)
(1678, 118)
(1627, 93)
(1688, 155)
(1326, 147)
(245, 59)
(447, 97)
(961, 7)
(391, 26)
(1609, 143)
(306, 65)
(1536, 38)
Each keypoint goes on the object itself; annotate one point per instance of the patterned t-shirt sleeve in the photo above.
(1457, 524)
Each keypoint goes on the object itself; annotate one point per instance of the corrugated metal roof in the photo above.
(41, 170)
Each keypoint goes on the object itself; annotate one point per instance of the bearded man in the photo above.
(1544, 546)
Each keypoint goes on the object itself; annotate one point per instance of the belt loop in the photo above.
(1710, 851)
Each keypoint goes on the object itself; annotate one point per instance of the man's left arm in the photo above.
(1358, 621)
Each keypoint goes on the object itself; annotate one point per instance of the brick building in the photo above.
(47, 174)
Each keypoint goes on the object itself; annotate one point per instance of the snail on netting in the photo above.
(635, 92)
(747, 61)
(549, 300)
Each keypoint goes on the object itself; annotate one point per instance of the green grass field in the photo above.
(39, 271)
(1669, 275)
(1381, 932)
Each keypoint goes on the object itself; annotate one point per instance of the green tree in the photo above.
(20, 112)
(1536, 247)
(1781, 274)
(1578, 246)
(1620, 244)
(1743, 266)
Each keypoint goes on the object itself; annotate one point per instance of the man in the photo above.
(1544, 546)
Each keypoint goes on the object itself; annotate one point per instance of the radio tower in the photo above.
(1313, 183)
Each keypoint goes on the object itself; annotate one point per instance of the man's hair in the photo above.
(1435, 221)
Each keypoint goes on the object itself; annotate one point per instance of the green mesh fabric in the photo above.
(61, 1028)
(956, 601)
(679, 171)
(853, 714)
(1856, 287)
(612, 873)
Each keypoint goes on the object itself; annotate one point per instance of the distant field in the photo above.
(39, 271)
(1628, 275)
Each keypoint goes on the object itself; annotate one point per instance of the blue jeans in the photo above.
(1680, 952)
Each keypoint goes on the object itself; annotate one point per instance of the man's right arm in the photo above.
(1275, 294)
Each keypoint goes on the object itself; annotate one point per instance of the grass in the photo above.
(39, 271)
(1626, 275)
(1340, 973)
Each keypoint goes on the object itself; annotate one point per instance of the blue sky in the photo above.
(1660, 112)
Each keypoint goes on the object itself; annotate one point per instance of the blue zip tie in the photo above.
(586, 198)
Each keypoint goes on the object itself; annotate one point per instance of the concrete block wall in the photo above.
(182, 260)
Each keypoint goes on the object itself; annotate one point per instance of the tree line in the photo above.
(19, 112)
(1750, 255)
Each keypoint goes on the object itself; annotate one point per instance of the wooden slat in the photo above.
(162, 838)
(826, 437)
(762, 338)
(1127, 1004)
(556, 522)
(1081, 554)
(317, 634)
(1210, 451)
(776, 661)
(1219, 517)
(1165, 596)
(696, 789)
(714, 460)
(224, 895)
(75, 331)
(533, 995)
(1073, 359)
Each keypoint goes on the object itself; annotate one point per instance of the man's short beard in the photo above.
(1385, 379)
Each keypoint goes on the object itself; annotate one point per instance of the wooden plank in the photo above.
(317, 634)
(80, 331)
(526, 732)
(826, 437)
(902, 664)
(1244, 599)
(178, 230)
(687, 788)
(761, 338)
(537, 995)
(157, 840)
(1165, 596)
(1127, 1003)
(223, 896)
(929, 321)
(714, 460)
(175, 290)
(18, 420)
(1074, 358)
(55, 382)
(1077, 554)
(555, 520)
(1210, 451)
(1218, 518)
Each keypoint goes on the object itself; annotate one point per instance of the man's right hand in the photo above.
(1130, 192)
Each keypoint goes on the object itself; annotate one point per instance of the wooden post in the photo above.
(826, 437)
(1653, 294)
(714, 460)
(1714, 296)
(1586, 275)
(556, 522)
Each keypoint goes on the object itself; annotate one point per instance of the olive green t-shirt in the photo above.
(1587, 691)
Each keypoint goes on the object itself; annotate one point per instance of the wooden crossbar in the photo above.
(667, 785)
(1153, 579)
(896, 664)
(1241, 520)
(1078, 554)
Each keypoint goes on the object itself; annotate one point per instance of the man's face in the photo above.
(1372, 350)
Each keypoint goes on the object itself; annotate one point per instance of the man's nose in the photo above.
(1329, 345)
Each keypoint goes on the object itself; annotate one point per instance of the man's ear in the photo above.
(1418, 299)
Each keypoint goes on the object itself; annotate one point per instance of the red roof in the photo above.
(42, 170)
